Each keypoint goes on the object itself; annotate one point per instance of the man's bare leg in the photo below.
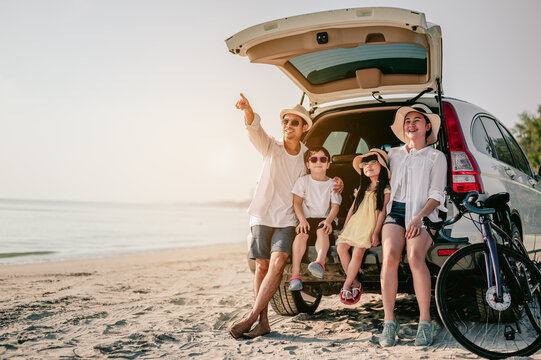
(261, 268)
(266, 291)
(263, 326)
(268, 287)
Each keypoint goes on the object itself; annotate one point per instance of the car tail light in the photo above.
(464, 170)
(447, 252)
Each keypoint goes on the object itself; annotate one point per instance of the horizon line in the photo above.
(114, 202)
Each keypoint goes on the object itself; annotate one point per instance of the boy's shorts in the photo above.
(397, 216)
(266, 239)
(312, 233)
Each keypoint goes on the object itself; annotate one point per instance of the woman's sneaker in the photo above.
(424, 333)
(388, 335)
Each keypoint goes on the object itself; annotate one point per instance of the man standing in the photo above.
(272, 218)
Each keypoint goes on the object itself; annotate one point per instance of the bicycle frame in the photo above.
(491, 261)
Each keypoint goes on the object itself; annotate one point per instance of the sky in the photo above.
(133, 101)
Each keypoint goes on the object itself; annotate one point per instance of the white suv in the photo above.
(357, 66)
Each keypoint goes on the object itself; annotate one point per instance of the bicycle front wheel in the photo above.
(487, 327)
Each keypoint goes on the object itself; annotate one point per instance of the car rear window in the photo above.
(498, 142)
(520, 160)
(335, 142)
(325, 66)
(362, 147)
(481, 140)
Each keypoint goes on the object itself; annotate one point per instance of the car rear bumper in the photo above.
(369, 273)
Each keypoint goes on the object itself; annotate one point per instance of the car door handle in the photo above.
(510, 172)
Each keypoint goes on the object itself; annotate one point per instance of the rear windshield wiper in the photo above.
(375, 95)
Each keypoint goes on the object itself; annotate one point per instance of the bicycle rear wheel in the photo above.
(488, 328)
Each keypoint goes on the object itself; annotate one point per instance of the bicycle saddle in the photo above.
(497, 200)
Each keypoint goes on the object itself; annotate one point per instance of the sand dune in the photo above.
(179, 304)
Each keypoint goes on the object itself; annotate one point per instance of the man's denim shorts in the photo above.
(397, 215)
(266, 239)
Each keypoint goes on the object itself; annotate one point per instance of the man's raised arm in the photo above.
(245, 106)
(258, 137)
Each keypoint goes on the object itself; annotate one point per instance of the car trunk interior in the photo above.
(357, 130)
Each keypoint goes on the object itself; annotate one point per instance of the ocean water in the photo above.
(55, 230)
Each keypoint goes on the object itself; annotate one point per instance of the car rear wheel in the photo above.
(285, 302)
(516, 241)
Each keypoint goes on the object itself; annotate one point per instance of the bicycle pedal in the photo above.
(509, 333)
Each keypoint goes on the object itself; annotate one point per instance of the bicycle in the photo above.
(488, 295)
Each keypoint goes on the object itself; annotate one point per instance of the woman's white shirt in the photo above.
(417, 176)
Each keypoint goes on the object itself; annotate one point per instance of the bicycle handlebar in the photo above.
(452, 239)
(479, 211)
(439, 226)
(464, 205)
(467, 202)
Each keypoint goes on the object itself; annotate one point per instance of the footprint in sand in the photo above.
(110, 328)
(118, 287)
(179, 301)
(80, 274)
(229, 301)
(160, 338)
(40, 315)
(144, 311)
(142, 291)
(226, 319)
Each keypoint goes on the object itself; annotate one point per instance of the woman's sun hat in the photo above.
(381, 155)
(398, 125)
(298, 110)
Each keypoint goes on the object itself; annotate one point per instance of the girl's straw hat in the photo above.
(381, 155)
(398, 125)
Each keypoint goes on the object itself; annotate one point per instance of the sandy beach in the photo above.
(179, 304)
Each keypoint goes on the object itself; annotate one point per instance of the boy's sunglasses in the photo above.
(322, 159)
(292, 122)
(368, 163)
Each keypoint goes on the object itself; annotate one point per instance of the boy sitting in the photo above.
(316, 206)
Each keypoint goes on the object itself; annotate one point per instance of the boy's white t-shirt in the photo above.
(317, 196)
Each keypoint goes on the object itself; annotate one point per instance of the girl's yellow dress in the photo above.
(361, 225)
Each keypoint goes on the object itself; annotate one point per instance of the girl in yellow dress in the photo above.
(364, 220)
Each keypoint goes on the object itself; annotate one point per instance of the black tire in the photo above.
(483, 332)
(516, 241)
(285, 302)
(517, 244)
